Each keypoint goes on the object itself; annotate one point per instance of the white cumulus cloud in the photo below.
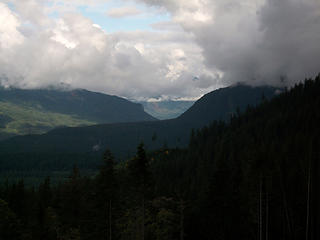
(73, 50)
(9, 22)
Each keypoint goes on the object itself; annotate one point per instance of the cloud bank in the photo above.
(258, 42)
(207, 44)
(39, 51)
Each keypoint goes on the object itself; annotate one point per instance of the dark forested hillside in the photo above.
(255, 177)
(38, 111)
(121, 139)
(225, 102)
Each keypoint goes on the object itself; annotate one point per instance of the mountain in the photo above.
(166, 109)
(251, 172)
(122, 138)
(223, 103)
(38, 111)
(253, 177)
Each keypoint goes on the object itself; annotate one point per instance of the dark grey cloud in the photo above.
(258, 42)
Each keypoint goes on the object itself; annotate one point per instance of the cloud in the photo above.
(72, 50)
(123, 12)
(205, 45)
(258, 42)
(166, 26)
(9, 35)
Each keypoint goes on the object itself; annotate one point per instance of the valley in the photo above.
(25, 112)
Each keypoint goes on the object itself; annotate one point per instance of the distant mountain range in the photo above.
(38, 111)
(79, 144)
(166, 109)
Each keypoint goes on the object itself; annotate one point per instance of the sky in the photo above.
(158, 49)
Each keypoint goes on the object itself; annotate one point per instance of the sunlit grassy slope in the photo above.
(18, 119)
(36, 111)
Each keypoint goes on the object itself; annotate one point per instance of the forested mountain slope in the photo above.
(122, 138)
(255, 177)
(38, 111)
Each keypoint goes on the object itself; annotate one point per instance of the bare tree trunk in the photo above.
(181, 219)
(315, 202)
(267, 215)
(143, 212)
(110, 220)
(308, 202)
(285, 203)
(260, 210)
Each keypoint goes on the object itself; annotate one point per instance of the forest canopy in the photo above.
(255, 177)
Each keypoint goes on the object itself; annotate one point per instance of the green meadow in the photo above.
(22, 119)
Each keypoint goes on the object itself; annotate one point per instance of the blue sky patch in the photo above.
(130, 23)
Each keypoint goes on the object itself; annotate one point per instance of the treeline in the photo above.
(53, 161)
(118, 203)
(255, 177)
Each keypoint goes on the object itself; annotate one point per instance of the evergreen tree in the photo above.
(106, 197)
(140, 182)
(9, 224)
